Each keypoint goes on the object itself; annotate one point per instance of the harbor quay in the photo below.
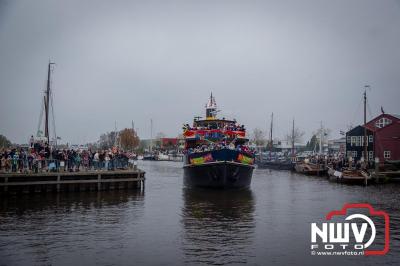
(93, 180)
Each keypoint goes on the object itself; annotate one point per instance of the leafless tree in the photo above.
(295, 136)
(258, 137)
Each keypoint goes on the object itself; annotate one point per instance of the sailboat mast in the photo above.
(270, 134)
(365, 125)
(320, 138)
(151, 135)
(47, 103)
(293, 138)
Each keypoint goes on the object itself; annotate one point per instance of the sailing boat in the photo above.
(272, 161)
(47, 107)
(316, 167)
(351, 174)
(149, 156)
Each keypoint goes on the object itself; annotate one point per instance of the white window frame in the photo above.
(386, 154)
(370, 155)
(353, 141)
(371, 138)
(383, 122)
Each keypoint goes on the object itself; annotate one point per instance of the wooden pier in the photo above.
(16, 183)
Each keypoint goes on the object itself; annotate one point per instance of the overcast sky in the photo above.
(136, 60)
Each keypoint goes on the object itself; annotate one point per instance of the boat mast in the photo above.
(47, 103)
(151, 135)
(115, 134)
(270, 134)
(293, 138)
(365, 125)
(320, 138)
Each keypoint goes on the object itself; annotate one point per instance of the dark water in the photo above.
(170, 225)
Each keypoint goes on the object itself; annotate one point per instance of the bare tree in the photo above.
(108, 140)
(295, 136)
(258, 137)
(4, 142)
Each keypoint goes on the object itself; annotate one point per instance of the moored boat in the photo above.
(350, 176)
(216, 154)
(149, 157)
(308, 168)
(276, 164)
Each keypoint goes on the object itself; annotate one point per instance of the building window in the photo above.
(371, 138)
(371, 156)
(386, 154)
(353, 140)
(354, 154)
(383, 122)
(348, 139)
(359, 141)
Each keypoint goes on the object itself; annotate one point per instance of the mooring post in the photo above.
(377, 169)
(58, 182)
(99, 182)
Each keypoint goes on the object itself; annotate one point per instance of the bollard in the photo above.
(58, 182)
(98, 182)
(377, 169)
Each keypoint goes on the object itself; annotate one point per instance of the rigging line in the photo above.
(53, 116)
(40, 118)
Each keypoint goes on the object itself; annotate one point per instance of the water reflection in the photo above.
(50, 227)
(25, 204)
(218, 225)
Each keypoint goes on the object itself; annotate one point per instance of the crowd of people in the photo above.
(226, 127)
(219, 146)
(40, 157)
(338, 162)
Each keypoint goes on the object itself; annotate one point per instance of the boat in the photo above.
(272, 160)
(278, 164)
(349, 176)
(162, 157)
(356, 175)
(308, 168)
(352, 174)
(216, 152)
(149, 157)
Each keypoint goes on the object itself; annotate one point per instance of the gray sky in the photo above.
(136, 60)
